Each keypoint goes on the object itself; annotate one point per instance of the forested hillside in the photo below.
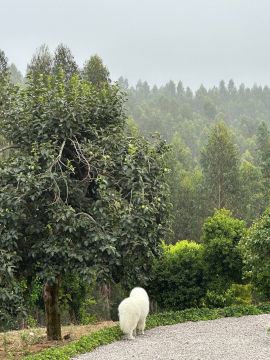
(134, 153)
(102, 198)
(172, 108)
(220, 144)
(220, 147)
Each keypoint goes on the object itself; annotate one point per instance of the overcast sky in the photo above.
(196, 41)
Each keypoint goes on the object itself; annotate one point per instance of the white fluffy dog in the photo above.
(133, 312)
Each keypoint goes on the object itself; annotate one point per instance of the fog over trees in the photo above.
(100, 183)
(220, 146)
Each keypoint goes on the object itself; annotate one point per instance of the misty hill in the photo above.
(172, 109)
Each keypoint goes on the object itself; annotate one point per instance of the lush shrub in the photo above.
(255, 247)
(178, 277)
(221, 234)
(236, 294)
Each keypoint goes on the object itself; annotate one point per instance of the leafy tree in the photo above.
(95, 72)
(74, 293)
(4, 81)
(63, 59)
(220, 164)
(4, 77)
(263, 147)
(232, 88)
(123, 83)
(142, 89)
(78, 195)
(253, 199)
(201, 92)
(179, 279)
(180, 89)
(184, 185)
(3, 63)
(222, 89)
(221, 234)
(41, 62)
(189, 93)
(15, 75)
(209, 108)
(255, 248)
(170, 89)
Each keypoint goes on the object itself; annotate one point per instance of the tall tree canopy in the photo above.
(63, 59)
(77, 194)
(3, 63)
(95, 72)
(263, 146)
(220, 164)
(15, 75)
(41, 62)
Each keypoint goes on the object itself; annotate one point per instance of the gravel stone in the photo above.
(243, 338)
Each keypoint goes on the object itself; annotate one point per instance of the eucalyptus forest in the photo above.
(106, 185)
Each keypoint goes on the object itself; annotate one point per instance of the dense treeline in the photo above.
(220, 147)
(174, 109)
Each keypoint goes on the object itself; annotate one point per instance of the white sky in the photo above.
(196, 41)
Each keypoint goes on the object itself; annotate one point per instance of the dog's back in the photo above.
(141, 298)
(133, 312)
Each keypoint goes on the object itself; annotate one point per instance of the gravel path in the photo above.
(242, 338)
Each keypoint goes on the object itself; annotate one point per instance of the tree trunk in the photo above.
(219, 196)
(53, 324)
(105, 292)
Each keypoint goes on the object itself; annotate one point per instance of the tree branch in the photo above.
(58, 156)
(87, 215)
(9, 147)
(92, 219)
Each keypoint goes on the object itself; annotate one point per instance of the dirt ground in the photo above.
(15, 344)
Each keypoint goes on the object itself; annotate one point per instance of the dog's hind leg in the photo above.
(141, 326)
(130, 335)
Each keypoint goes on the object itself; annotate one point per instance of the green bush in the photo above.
(236, 294)
(255, 247)
(178, 280)
(221, 234)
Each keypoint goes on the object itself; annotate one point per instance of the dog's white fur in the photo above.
(133, 312)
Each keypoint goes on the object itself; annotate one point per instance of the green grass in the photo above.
(85, 344)
(109, 335)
